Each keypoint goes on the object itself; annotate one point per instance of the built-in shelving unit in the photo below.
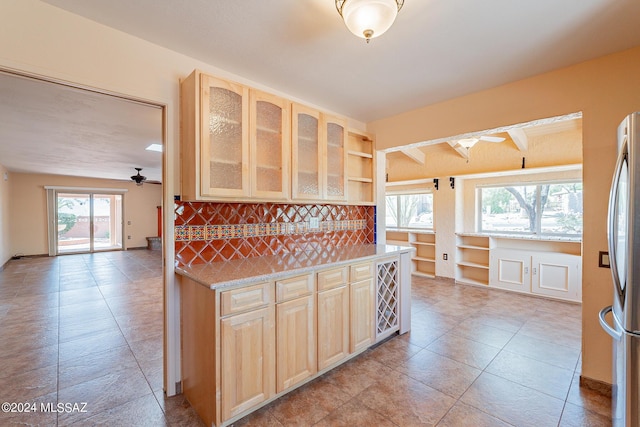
(543, 266)
(472, 260)
(424, 258)
(360, 168)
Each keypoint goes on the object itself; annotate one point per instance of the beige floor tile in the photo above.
(25, 361)
(406, 401)
(513, 403)
(528, 372)
(589, 399)
(461, 415)
(30, 384)
(544, 351)
(103, 393)
(393, 352)
(485, 334)
(102, 316)
(308, 404)
(94, 365)
(70, 331)
(358, 374)
(79, 296)
(97, 343)
(38, 416)
(149, 348)
(439, 372)
(355, 413)
(262, 417)
(464, 350)
(577, 416)
(177, 411)
(141, 412)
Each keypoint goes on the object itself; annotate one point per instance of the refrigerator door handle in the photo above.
(607, 328)
(611, 221)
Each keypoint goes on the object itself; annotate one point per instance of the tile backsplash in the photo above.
(213, 232)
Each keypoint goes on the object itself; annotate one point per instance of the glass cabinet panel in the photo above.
(306, 161)
(336, 136)
(224, 138)
(270, 146)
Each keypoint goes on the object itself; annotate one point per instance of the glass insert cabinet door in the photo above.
(270, 151)
(336, 137)
(307, 183)
(224, 138)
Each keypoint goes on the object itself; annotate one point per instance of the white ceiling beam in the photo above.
(414, 154)
(519, 138)
(463, 151)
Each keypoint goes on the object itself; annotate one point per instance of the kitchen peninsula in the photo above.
(254, 329)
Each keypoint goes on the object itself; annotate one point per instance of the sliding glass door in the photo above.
(88, 222)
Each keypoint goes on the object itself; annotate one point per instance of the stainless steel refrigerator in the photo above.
(624, 255)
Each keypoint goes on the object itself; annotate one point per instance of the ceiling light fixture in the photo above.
(468, 142)
(368, 18)
(139, 179)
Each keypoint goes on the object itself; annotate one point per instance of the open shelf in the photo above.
(424, 242)
(472, 260)
(360, 168)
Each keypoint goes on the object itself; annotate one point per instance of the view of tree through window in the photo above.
(410, 210)
(532, 209)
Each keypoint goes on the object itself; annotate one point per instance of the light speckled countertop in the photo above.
(219, 275)
(542, 238)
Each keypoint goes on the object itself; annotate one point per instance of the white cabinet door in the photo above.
(556, 275)
(510, 269)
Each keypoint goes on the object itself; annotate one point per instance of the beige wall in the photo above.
(5, 249)
(28, 209)
(605, 90)
(38, 38)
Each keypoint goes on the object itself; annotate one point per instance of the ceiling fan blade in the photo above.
(491, 138)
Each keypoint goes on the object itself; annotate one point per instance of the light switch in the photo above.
(603, 260)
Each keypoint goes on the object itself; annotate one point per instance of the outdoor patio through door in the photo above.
(88, 222)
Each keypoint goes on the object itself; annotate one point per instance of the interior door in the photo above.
(88, 222)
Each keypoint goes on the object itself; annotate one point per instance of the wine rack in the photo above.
(387, 298)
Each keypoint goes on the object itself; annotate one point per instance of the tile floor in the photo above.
(88, 328)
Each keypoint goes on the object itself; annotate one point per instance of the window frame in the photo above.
(538, 231)
(410, 193)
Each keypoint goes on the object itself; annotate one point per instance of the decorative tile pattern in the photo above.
(213, 232)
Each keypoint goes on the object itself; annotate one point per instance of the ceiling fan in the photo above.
(139, 179)
(470, 142)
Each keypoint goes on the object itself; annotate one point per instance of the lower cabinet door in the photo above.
(557, 275)
(247, 360)
(333, 326)
(510, 269)
(362, 300)
(296, 341)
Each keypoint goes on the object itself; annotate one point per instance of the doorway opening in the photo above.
(88, 222)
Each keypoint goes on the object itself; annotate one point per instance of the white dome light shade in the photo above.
(369, 18)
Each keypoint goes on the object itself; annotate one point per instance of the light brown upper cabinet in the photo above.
(235, 141)
(241, 144)
(319, 155)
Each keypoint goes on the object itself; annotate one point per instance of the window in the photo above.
(410, 210)
(544, 208)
